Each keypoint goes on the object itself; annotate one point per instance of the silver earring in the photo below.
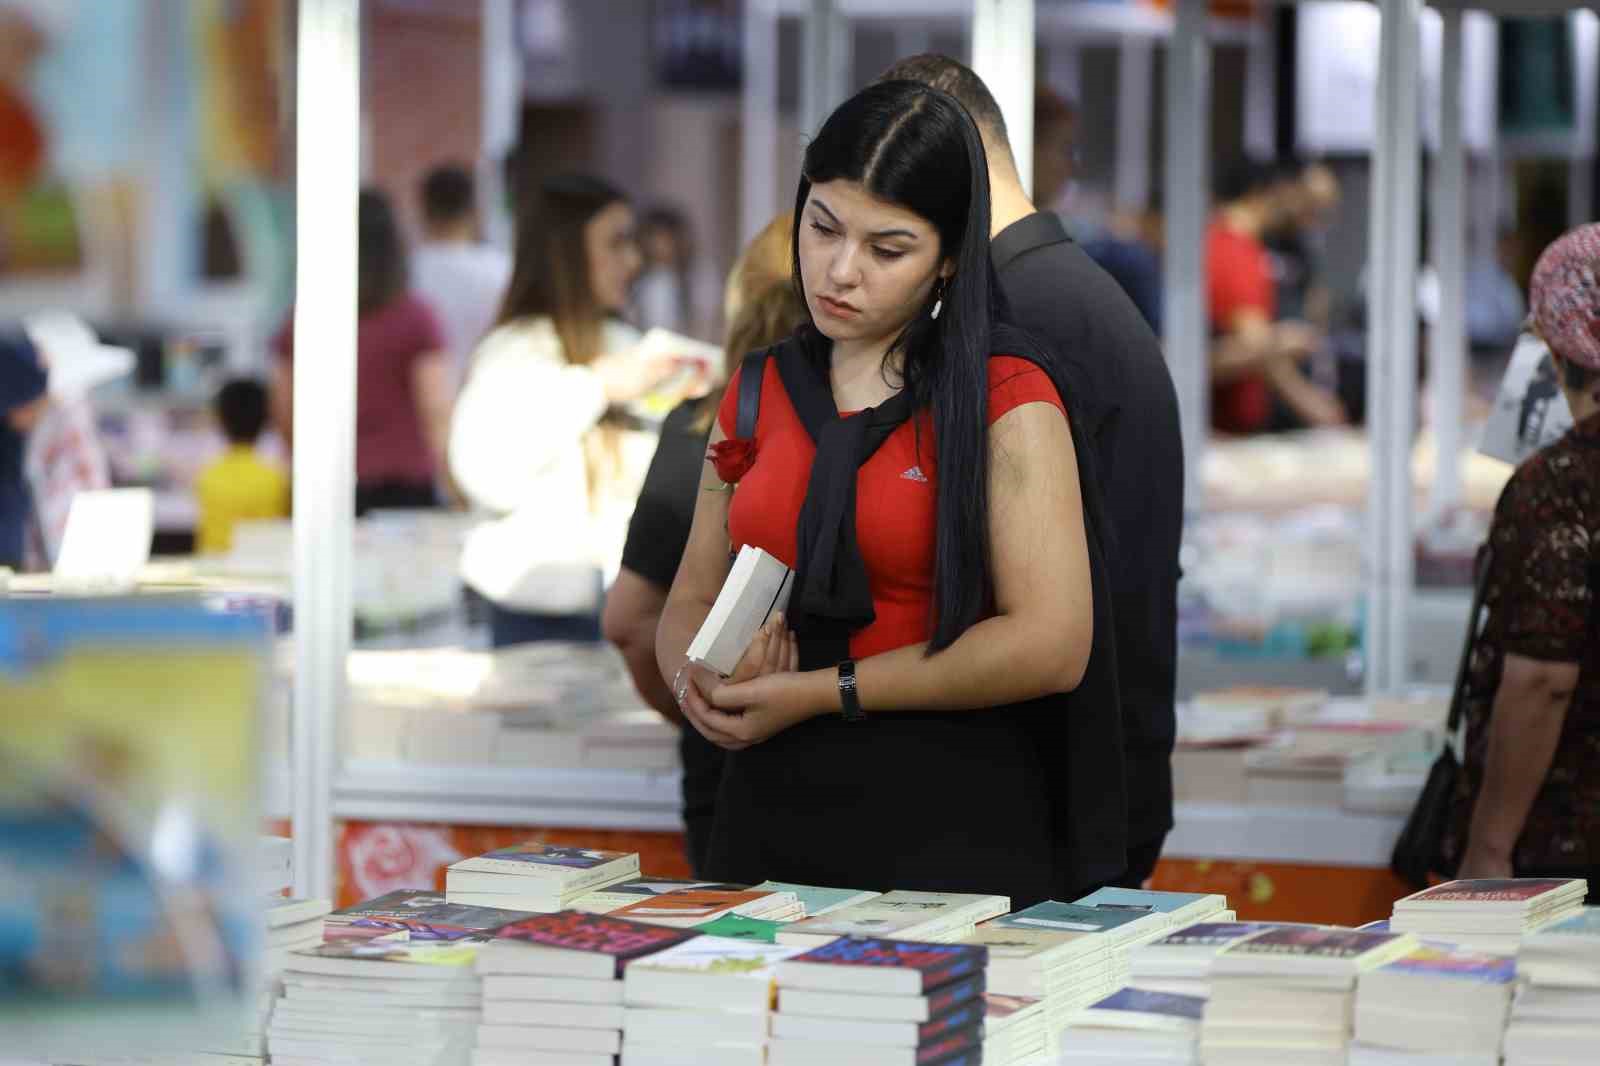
(938, 305)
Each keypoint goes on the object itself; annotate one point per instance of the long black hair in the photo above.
(382, 269)
(916, 147)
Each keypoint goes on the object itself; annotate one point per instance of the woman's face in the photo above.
(614, 259)
(868, 266)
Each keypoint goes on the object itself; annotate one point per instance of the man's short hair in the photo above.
(957, 79)
(242, 410)
(1248, 177)
(447, 194)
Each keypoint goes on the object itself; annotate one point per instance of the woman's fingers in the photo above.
(753, 663)
(777, 646)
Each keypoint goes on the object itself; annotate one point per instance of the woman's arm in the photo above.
(633, 610)
(430, 384)
(1038, 641)
(700, 576)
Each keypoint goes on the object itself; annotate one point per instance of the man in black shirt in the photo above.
(1124, 393)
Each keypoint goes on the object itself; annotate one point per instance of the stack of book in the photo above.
(1433, 1007)
(1014, 1030)
(697, 906)
(1136, 1026)
(824, 993)
(939, 917)
(819, 901)
(378, 916)
(705, 1002)
(1285, 995)
(1063, 954)
(537, 877)
(629, 892)
(1487, 915)
(382, 1000)
(291, 925)
(1556, 1018)
(1180, 962)
(552, 988)
(1172, 909)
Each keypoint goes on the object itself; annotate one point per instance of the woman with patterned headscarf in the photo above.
(1529, 801)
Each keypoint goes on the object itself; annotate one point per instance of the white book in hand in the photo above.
(757, 588)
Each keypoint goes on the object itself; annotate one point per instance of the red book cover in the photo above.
(1491, 890)
(939, 964)
(600, 934)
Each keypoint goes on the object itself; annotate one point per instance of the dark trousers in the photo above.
(1142, 859)
(394, 496)
(519, 627)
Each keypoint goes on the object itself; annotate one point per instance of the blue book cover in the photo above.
(939, 964)
(1585, 923)
(1431, 961)
(1069, 917)
(1165, 1004)
(1138, 900)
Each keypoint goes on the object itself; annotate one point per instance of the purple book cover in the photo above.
(938, 964)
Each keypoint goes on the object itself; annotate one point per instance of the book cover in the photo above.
(819, 901)
(944, 1048)
(690, 904)
(1070, 917)
(956, 993)
(894, 912)
(538, 859)
(738, 927)
(1146, 902)
(660, 886)
(718, 955)
(1490, 890)
(757, 587)
(1428, 961)
(1221, 934)
(406, 903)
(1379, 926)
(446, 921)
(939, 964)
(1586, 923)
(454, 955)
(998, 1008)
(600, 934)
(1165, 1004)
(1314, 942)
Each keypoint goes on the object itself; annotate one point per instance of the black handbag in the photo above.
(1419, 851)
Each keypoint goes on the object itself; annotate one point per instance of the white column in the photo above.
(758, 163)
(822, 68)
(1135, 87)
(1002, 55)
(1188, 169)
(1392, 347)
(1261, 89)
(328, 117)
(501, 101)
(1447, 349)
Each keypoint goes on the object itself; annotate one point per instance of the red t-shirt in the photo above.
(390, 442)
(895, 505)
(1239, 278)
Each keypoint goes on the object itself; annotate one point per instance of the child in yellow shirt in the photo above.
(240, 485)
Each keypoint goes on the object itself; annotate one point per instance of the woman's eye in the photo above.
(820, 228)
(887, 253)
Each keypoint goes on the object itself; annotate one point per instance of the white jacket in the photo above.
(517, 452)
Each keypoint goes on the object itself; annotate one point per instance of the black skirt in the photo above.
(942, 802)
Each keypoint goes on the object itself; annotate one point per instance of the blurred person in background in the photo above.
(459, 275)
(403, 392)
(1124, 397)
(762, 309)
(1528, 800)
(1256, 355)
(662, 292)
(1298, 244)
(531, 445)
(23, 402)
(240, 486)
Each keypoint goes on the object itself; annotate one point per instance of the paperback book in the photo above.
(574, 944)
(938, 916)
(882, 967)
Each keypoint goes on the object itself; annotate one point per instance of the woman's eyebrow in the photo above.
(875, 235)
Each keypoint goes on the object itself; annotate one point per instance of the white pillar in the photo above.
(1392, 347)
(1135, 87)
(824, 64)
(1002, 55)
(328, 117)
(1447, 349)
(1188, 170)
(758, 167)
(500, 104)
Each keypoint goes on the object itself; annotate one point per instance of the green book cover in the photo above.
(738, 927)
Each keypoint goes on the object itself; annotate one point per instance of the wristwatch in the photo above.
(849, 702)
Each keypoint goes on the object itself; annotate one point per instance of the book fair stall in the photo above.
(477, 857)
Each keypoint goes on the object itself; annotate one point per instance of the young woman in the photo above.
(404, 395)
(762, 308)
(910, 728)
(529, 443)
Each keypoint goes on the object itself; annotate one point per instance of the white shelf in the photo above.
(1316, 836)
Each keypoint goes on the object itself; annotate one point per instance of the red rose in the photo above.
(733, 459)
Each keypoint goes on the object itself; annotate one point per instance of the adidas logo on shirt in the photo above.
(915, 474)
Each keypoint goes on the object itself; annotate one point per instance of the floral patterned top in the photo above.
(1542, 603)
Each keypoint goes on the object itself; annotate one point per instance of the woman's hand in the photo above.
(773, 651)
(740, 715)
(628, 375)
(1484, 862)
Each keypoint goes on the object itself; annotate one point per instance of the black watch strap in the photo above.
(849, 701)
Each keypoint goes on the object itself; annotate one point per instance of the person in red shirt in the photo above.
(1255, 357)
(940, 709)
